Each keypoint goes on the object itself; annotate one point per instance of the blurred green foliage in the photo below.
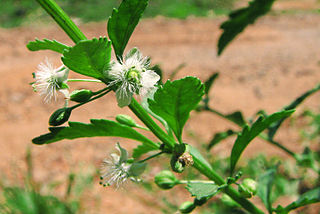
(16, 12)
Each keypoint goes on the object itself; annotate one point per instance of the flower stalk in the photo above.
(76, 35)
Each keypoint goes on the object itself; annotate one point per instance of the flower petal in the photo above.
(124, 97)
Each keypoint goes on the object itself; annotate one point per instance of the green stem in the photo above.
(152, 156)
(196, 182)
(149, 122)
(94, 98)
(84, 80)
(264, 137)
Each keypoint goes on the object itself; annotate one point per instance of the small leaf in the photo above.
(142, 149)
(175, 100)
(219, 137)
(122, 23)
(249, 133)
(274, 127)
(202, 190)
(97, 128)
(237, 118)
(47, 44)
(265, 184)
(89, 57)
(208, 83)
(310, 197)
(240, 19)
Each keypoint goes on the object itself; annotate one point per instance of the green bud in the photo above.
(187, 207)
(60, 116)
(251, 185)
(81, 96)
(248, 188)
(165, 179)
(126, 120)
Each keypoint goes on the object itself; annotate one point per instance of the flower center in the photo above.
(133, 75)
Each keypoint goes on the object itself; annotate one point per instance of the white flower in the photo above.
(132, 76)
(49, 80)
(117, 169)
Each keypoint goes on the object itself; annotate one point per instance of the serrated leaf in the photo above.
(208, 83)
(89, 57)
(175, 100)
(97, 128)
(218, 137)
(265, 186)
(142, 149)
(310, 197)
(122, 23)
(237, 118)
(274, 127)
(46, 44)
(202, 190)
(240, 19)
(249, 133)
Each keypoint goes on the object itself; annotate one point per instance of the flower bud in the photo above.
(187, 207)
(81, 96)
(248, 188)
(60, 116)
(126, 120)
(165, 179)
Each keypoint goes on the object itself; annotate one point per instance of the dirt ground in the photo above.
(266, 67)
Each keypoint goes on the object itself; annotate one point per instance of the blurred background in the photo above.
(266, 67)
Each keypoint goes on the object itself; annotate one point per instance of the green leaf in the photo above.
(310, 197)
(274, 127)
(218, 137)
(89, 57)
(202, 190)
(237, 118)
(265, 186)
(249, 133)
(240, 19)
(97, 128)
(122, 23)
(142, 149)
(208, 83)
(175, 100)
(47, 44)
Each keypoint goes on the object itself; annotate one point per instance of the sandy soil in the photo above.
(265, 68)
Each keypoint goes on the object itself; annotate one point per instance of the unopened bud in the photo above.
(248, 188)
(165, 179)
(126, 120)
(60, 116)
(81, 96)
(187, 207)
